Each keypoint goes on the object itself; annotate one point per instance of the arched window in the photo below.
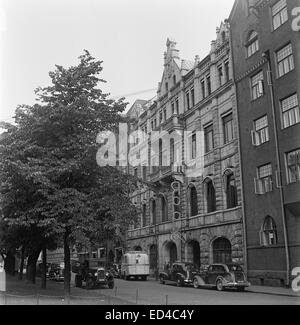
(210, 196)
(193, 201)
(153, 212)
(268, 233)
(222, 251)
(144, 215)
(164, 211)
(252, 43)
(231, 190)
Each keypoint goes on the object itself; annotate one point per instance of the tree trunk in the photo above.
(22, 263)
(44, 268)
(67, 260)
(31, 266)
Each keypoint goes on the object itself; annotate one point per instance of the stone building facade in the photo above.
(184, 144)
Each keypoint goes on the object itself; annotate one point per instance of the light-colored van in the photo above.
(135, 264)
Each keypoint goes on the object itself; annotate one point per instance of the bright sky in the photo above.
(128, 35)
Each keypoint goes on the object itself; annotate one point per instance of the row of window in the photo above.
(264, 181)
(290, 115)
(279, 14)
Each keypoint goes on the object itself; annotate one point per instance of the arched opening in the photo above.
(222, 251)
(170, 252)
(231, 190)
(164, 211)
(138, 249)
(193, 201)
(193, 253)
(144, 215)
(268, 233)
(153, 257)
(210, 196)
(153, 212)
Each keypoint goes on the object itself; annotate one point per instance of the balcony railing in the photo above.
(215, 218)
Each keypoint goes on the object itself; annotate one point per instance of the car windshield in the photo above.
(235, 268)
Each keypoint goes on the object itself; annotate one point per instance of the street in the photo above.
(154, 293)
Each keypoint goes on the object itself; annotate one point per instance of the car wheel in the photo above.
(111, 284)
(179, 282)
(196, 283)
(241, 289)
(220, 286)
(161, 280)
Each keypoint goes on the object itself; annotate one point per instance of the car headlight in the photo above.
(96, 273)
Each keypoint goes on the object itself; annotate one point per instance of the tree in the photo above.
(51, 179)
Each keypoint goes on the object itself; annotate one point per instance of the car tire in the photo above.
(196, 283)
(111, 284)
(179, 282)
(162, 280)
(78, 281)
(219, 285)
(241, 289)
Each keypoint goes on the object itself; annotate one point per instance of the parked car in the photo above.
(57, 271)
(93, 277)
(222, 276)
(180, 273)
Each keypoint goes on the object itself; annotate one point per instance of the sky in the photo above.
(129, 36)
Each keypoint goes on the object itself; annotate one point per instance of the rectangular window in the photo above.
(260, 134)
(290, 111)
(279, 14)
(293, 166)
(194, 147)
(228, 128)
(202, 82)
(208, 85)
(160, 116)
(192, 92)
(176, 106)
(252, 48)
(187, 96)
(263, 183)
(173, 108)
(257, 85)
(165, 114)
(285, 60)
(209, 138)
(152, 125)
(227, 72)
(220, 75)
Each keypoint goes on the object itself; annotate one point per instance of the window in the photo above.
(193, 201)
(252, 44)
(192, 92)
(210, 197)
(231, 192)
(165, 114)
(227, 76)
(187, 95)
(228, 128)
(209, 138)
(268, 233)
(285, 60)
(290, 111)
(172, 151)
(144, 215)
(152, 125)
(153, 212)
(220, 75)
(257, 85)
(279, 14)
(202, 82)
(174, 80)
(208, 85)
(222, 253)
(263, 183)
(176, 106)
(167, 87)
(173, 108)
(193, 147)
(160, 117)
(293, 166)
(260, 134)
(164, 212)
(160, 153)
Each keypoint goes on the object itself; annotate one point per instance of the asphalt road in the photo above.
(154, 293)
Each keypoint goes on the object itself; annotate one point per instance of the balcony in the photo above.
(166, 173)
(200, 221)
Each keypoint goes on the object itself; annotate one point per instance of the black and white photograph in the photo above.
(149, 155)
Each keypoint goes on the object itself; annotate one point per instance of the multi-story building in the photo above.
(266, 59)
(188, 161)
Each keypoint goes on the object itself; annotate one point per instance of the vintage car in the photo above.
(56, 272)
(93, 277)
(179, 272)
(222, 276)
